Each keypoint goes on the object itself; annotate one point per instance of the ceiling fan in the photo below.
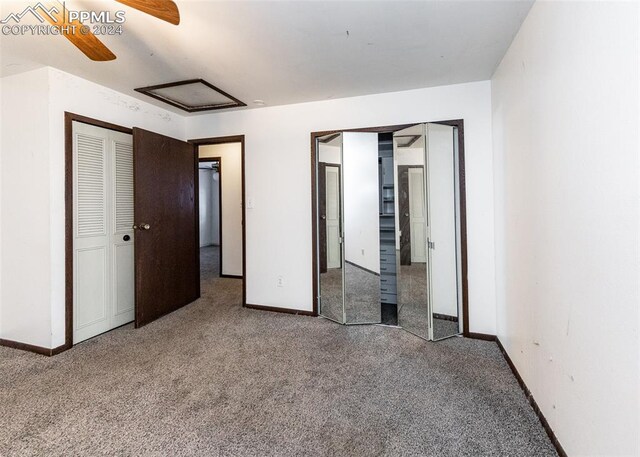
(90, 45)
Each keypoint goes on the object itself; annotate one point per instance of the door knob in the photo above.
(406, 214)
(323, 217)
(145, 226)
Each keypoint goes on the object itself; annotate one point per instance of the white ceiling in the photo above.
(287, 52)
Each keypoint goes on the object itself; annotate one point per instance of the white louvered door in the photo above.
(122, 265)
(103, 276)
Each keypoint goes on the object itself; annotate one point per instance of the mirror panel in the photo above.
(389, 229)
(330, 223)
(444, 265)
(411, 230)
(361, 227)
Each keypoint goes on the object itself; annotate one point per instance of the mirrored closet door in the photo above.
(348, 227)
(361, 228)
(428, 235)
(330, 227)
(409, 158)
(388, 229)
(443, 231)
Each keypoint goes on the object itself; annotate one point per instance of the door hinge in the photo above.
(431, 244)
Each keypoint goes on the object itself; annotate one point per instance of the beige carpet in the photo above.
(217, 379)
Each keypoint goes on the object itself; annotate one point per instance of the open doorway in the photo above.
(222, 210)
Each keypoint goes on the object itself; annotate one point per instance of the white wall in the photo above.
(361, 200)
(1, 148)
(231, 178)
(278, 180)
(33, 296)
(565, 114)
(25, 303)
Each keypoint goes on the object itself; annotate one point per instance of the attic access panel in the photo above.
(191, 95)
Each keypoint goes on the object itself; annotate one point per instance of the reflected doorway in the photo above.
(330, 226)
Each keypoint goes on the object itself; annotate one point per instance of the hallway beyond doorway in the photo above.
(209, 263)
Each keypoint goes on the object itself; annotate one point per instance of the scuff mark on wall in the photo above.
(165, 117)
(123, 102)
(569, 318)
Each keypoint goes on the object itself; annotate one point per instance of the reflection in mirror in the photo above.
(330, 252)
(411, 230)
(444, 232)
(388, 264)
(361, 227)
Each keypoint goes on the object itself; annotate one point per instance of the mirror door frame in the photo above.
(459, 124)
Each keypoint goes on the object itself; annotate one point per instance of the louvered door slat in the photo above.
(123, 187)
(91, 219)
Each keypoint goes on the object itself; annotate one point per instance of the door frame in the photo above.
(69, 118)
(459, 124)
(225, 140)
(219, 160)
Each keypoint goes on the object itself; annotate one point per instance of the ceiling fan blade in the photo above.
(166, 10)
(79, 35)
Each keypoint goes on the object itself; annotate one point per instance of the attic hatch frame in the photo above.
(149, 91)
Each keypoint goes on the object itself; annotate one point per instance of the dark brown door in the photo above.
(322, 211)
(167, 261)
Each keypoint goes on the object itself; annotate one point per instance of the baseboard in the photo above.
(231, 276)
(59, 349)
(31, 348)
(275, 309)
(532, 402)
(480, 336)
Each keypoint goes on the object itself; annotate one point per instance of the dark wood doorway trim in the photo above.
(459, 123)
(225, 140)
(69, 118)
(219, 160)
